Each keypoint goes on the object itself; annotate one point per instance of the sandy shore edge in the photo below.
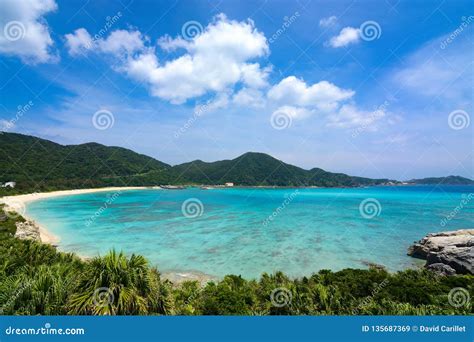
(18, 203)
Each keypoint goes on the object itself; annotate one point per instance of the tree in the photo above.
(115, 285)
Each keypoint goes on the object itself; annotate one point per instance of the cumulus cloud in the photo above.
(122, 42)
(220, 66)
(298, 100)
(24, 32)
(328, 22)
(119, 43)
(214, 61)
(348, 35)
(171, 44)
(78, 42)
(323, 95)
(254, 76)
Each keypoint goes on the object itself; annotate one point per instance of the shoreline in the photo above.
(17, 204)
(25, 198)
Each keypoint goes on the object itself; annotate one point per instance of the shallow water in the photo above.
(310, 229)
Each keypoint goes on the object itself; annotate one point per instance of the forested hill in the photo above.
(36, 164)
(254, 168)
(449, 180)
(39, 163)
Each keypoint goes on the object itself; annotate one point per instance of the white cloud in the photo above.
(171, 44)
(293, 112)
(329, 21)
(78, 42)
(119, 43)
(248, 97)
(141, 66)
(24, 32)
(298, 100)
(215, 61)
(348, 35)
(350, 116)
(323, 95)
(254, 76)
(213, 64)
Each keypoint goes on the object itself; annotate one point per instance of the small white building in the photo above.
(9, 185)
(229, 184)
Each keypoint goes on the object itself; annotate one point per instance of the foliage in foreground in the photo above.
(36, 279)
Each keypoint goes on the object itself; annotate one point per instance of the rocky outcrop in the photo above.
(441, 269)
(27, 230)
(454, 249)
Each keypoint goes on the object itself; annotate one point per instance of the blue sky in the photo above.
(369, 88)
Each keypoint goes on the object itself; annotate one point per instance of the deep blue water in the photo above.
(310, 229)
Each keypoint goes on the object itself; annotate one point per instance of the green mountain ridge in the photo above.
(37, 165)
(42, 164)
(254, 168)
(448, 180)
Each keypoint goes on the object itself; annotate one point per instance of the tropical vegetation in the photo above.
(36, 279)
(39, 165)
(449, 180)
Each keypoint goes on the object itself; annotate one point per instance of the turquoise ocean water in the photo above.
(227, 231)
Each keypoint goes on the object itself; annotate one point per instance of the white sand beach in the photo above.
(18, 204)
